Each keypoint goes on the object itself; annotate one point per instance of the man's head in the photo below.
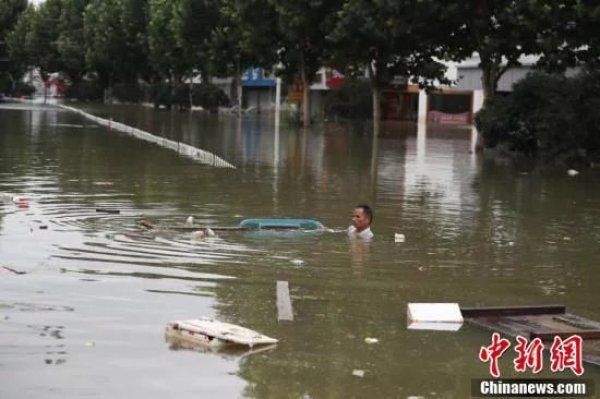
(362, 217)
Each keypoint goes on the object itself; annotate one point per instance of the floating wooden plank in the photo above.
(512, 310)
(284, 303)
(108, 210)
(227, 351)
(213, 332)
(549, 336)
(249, 224)
(531, 321)
(195, 228)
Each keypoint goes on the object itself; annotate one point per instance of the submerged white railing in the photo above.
(196, 154)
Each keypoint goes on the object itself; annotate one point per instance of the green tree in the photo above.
(567, 34)
(390, 38)
(302, 44)
(166, 54)
(71, 38)
(501, 32)
(244, 37)
(193, 24)
(34, 40)
(116, 46)
(10, 11)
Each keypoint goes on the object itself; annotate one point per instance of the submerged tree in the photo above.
(10, 11)
(501, 32)
(243, 37)
(33, 43)
(302, 45)
(115, 39)
(388, 39)
(71, 39)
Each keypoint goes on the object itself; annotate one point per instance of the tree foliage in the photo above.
(551, 117)
(116, 46)
(10, 11)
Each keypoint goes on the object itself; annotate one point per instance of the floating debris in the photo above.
(370, 340)
(434, 316)
(297, 262)
(108, 210)
(358, 373)
(399, 237)
(205, 331)
(572, 172)
(284, 303)
(10, 269)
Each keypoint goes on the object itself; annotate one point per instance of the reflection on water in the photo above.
(477, 233)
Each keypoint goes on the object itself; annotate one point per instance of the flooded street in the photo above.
(87, 317)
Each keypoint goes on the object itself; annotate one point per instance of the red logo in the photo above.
(493, 352)
(529, 355)
(564, 354)
(567, 354)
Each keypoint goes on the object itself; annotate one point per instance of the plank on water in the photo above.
(284, 303)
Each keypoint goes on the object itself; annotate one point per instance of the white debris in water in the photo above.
(572, 172)
(198, 234)
(189, 221)
(358, 373)
(566, 238)
(297, 262)
(399, 237)
(210, 232)
(370, 340)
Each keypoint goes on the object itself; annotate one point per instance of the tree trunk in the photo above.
(306, 104)
(305, 99)
(489, 80)
(238, 83)
(376, 110)
(305, 94)
(376, 93)
(191, 90)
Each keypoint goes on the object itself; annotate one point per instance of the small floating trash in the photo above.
(358, 373)
(21, 200)
(572, 172)
(215, 333)
(399, 237)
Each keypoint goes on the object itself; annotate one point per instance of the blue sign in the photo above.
(255, 77)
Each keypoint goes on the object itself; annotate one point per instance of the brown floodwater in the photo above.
(87, 316)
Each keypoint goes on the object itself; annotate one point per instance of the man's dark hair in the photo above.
(367, 210)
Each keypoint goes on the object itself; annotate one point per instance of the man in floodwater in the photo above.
(362, 217)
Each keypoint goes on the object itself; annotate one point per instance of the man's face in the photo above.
(359, 219)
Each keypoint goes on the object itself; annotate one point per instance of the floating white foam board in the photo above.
(434, 326)
(204, 331)
(434, 316)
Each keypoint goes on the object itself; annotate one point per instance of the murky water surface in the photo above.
(86, 318)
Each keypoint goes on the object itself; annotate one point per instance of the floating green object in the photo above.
(281, 224)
